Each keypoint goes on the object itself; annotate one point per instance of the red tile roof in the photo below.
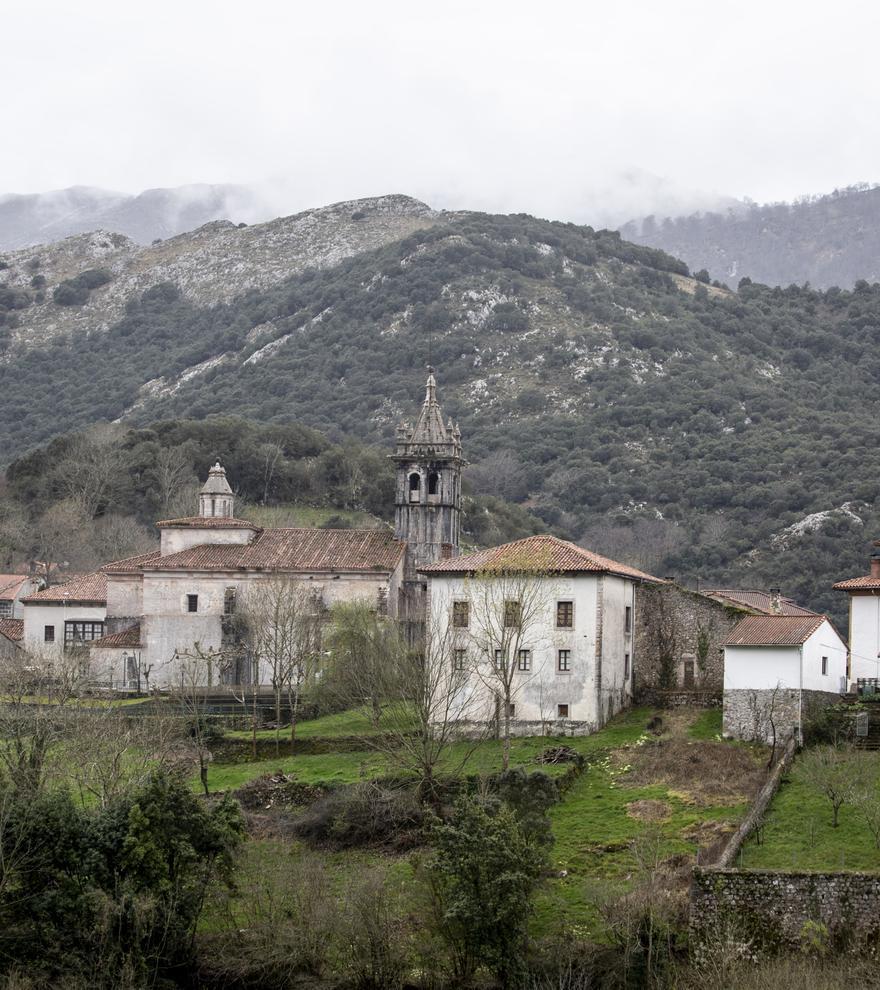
(760, 601)
(537, 553)
(206, 522)
(867, 583)
(126, 639)
(12, 629)
(774, 630)
(131, 565)
(10, 586)
(293, 550)
(90, 588)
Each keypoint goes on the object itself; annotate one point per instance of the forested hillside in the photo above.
(686, 428)
(824, 240)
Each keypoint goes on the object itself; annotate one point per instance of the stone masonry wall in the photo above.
(765, 910)
(753, 715)
(670, 618)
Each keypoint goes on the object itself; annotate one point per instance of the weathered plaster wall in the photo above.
(766, 910)
(175, 539)
(37, 617)
(670, 613)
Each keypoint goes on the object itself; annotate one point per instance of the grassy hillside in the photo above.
(716, 435)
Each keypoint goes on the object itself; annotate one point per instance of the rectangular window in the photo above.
(511, 711)
(626, 666)
(628, 619)
(458, 659)
(461, 614)
(497, 660)
(48, 634)
(228, 602)
(564, 615)
(824, 666)
(5, 609)
(192, 603)
(525, 660)
(563, 661)
(562, 711)
(76, 631)
(512, 614)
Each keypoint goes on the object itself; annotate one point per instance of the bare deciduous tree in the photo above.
(507, 601)
(281, 622)
(92, 469)
(834, 771)
(171, 473)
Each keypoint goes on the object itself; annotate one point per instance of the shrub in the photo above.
(363, 814)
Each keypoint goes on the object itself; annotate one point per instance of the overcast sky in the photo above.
(537, 107)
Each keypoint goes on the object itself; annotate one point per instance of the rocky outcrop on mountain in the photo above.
(215, 263)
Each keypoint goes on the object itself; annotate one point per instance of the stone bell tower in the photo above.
(427, 501)
(215, 498)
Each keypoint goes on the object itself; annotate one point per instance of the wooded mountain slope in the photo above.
(725, 436)
(824, 240)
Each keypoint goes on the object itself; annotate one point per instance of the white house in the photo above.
(864, 622)
(778, 670)
(65, 615)
(11, 631)
(554, 620)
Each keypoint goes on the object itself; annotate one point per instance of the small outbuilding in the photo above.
(779, 670)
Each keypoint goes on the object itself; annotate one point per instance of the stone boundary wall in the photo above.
(678, 698)
(759, 806)
(759, 714)
(764, 911)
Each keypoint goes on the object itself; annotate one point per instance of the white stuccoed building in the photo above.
(864, 622)
(778, 671)
(558, 618)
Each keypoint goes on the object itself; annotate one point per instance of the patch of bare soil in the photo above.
(704, 773)
(648, 810)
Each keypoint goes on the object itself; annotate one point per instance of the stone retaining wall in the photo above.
(678, 699)
(768, 910)
(756, 715)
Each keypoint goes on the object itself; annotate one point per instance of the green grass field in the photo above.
(595, 825)
(798, 833)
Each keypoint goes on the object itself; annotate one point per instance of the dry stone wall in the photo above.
(768, 910)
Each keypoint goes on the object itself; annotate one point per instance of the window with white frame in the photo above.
(524, 660)
(563, 661)
(458, 659)
(77, 631)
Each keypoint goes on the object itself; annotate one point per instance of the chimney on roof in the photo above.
(775, 600)
(875, 561)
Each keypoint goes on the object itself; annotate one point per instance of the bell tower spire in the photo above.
(427, 504)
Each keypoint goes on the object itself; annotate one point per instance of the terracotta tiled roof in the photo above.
(127, 639)
(82, 588)
(10, 586)
(12, 629)
(132, 565)
(867, 583)
(536, 553)
(206, 522)
(774, 630)
(293, 550)
(760, 601)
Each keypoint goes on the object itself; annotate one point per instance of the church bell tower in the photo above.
(427, 503)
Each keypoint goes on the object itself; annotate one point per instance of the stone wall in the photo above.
(678, 698)
(758, 715)
(766, 910)
(674, 624)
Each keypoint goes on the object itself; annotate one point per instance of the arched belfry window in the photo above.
(415, 484)
(433, 483)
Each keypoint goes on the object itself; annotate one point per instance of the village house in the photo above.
(11, 633)
(13, 589)
(779, 670)
(541, 622)
(65, 616)
(864, 623)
